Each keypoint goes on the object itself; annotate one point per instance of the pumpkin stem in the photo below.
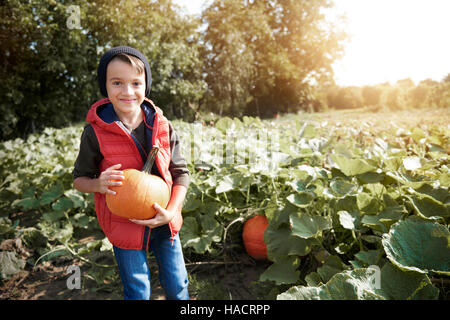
(150, 160)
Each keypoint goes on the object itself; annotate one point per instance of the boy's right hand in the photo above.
(109, 178)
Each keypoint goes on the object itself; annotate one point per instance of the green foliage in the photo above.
(337, 207)
(252, 58)
(261, 55)
(418, 245)
(324, 196)
(48, 77)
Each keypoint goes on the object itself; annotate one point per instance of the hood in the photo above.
(103, 115)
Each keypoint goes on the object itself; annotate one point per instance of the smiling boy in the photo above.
(122, 130)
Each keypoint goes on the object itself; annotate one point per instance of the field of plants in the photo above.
(357, 201)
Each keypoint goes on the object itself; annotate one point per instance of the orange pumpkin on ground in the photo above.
(253, 237)
(134, 199)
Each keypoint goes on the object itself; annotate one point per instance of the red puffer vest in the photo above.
(117, 146)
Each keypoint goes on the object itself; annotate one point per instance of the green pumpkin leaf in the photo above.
(350, 220)
(301, 199)
(282, 271)
(281, 242)
(341, 187)
(63, 204)
(77, 198)
(418, 245)
(307, 226)
(429, 207)
(389, 283)
(352, 167)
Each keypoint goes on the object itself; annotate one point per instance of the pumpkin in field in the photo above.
(253, 237)
(134, 199)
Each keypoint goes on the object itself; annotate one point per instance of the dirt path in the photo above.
(208, 280)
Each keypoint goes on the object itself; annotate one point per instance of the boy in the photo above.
(122, 130)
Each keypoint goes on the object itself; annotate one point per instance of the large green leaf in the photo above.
(200, 236)
(352, 167)
(307, 226)
(284, 270)
(332, 265)
(368, 284)
(301, 199)
(350, 220)
(428, 207)
(281, 242)
(419, 245)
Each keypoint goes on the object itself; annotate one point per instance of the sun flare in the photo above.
(393, 40)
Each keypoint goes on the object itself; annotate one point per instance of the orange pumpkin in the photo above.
(134, 199)
(253, 237)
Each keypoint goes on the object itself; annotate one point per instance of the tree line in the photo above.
(240, 57)
(404, 94)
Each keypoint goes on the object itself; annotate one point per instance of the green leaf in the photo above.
(349, 220)
(403, 285)
(191, 204)
(281, 242)
(383, 220)
(63, 204)
(49, 196)
(53, 216)
(369, 257)
(282, 271)
(77, 198)
(26, 204)
(301, 199)
(106, 245)
(10, 264)
(333, 264)
(229, 182)
(200, 236)
(64, 234)
(352, 167)
(419, 245)
(429, 207)
(367, 203)
(307, 226)
(368, 284)
(341, 187)
(224, 124)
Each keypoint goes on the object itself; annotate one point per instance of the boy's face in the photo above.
(126, 88)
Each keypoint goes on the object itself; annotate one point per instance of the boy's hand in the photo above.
(107, 177)
(163, 216)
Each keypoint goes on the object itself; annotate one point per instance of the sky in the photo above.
(389, 40)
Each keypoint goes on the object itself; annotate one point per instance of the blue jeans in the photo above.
(135, 272)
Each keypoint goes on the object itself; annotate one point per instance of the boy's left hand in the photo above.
(163, 216)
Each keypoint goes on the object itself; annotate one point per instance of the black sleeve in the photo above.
(89, 156)
(178, 165)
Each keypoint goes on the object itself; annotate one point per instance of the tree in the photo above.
(263, 55)
(344, 97)
(45, 69)
(371, 95)
(48, 69)
(446, 78)
(230, 61)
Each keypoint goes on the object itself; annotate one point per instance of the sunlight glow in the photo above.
(390, 40)
(393, 40)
